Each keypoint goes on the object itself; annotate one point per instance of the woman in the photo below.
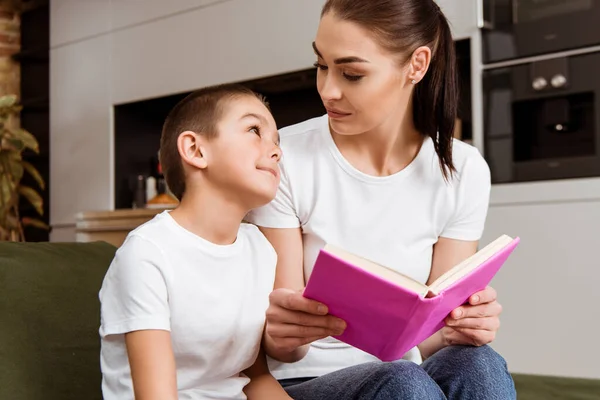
(381, 176)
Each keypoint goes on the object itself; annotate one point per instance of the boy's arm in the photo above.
(262, 384)
(152, 364)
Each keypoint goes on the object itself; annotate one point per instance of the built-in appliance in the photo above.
(542, 119)
(521, 28)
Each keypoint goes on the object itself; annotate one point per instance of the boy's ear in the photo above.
(192, 149)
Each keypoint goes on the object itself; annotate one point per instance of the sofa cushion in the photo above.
(50, 315)
(540, 387)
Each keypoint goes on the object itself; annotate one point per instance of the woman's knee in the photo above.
(482, 359)
(462, 371)
(404, 380)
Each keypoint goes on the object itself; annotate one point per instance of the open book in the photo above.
(388, 313)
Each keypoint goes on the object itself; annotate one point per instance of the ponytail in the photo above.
(435, 98)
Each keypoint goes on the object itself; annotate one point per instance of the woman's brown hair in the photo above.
(402, 26)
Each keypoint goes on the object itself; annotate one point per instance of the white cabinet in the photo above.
(549, 288)
(462, 15)
(211, 45)
(75, 20)
(80, 130)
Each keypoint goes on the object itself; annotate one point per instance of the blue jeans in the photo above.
(455, 372)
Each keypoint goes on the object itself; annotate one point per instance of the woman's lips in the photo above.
(336, 114)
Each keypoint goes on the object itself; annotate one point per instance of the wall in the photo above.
(118, 51)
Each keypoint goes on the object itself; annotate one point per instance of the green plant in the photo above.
(13, 142)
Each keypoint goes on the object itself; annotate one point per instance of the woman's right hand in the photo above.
(294, 321)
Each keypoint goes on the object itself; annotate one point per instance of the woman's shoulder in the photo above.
(469, 163)
(467, 156)
(303, 134)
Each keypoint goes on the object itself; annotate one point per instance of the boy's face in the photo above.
(245, 154)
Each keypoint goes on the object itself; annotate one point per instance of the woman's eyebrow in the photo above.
(341, 60)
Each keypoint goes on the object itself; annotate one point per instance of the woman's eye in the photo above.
(320, 66)
(353, 78)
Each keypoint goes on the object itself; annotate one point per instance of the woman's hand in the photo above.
(475, 323)
(294, 321)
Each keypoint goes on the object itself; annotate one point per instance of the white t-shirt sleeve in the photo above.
(472, 201)
(280, 212)
(134, 292)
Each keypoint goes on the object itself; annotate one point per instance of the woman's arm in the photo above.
(262, 384)
(293, 321)
(475, 323)
(152, 364)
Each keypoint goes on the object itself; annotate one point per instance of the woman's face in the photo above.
(362, 85)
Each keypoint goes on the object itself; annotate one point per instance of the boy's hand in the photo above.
(294, 321)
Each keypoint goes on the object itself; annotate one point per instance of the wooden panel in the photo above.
(111, 226)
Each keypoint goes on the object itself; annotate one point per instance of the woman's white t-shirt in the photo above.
(393, 220)
(212, 298)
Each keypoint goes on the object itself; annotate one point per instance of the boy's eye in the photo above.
(255, 129)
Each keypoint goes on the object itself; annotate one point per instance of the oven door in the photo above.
(521, 28)
(542, 119)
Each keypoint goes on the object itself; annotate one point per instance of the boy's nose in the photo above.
(276, 153)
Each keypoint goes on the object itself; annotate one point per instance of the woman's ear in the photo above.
(419, 63)
(192, 149)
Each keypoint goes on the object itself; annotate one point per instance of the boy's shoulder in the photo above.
(154, 229)
(256, 238)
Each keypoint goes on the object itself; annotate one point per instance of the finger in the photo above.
(302, 332)
(477, 337)
(276, 316)
(291, 300)
(453, 337)
(486, 295)
(290, 344)
(487, 324)
(479, 311)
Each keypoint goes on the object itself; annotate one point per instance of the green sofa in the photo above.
(49, 320)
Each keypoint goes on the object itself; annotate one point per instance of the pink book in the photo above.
(388, 313)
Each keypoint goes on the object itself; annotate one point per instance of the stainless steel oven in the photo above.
(542, 119)
(521, 28)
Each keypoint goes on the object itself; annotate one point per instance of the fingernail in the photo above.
(457, 313)
(475, 299)
(340, 325)
(321, 309)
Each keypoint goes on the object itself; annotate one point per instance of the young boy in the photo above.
(183, 302)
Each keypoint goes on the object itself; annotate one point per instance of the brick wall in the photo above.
(10, 43)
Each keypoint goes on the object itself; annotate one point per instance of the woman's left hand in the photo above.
(475, 323)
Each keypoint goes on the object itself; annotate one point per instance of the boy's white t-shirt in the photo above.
(393, 220)
(212, 298)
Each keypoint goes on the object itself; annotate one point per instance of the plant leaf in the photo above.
(12, 222)
(12, 144)
(33, 197)
(8, 100)
(7, 191)
(27, 138)
(15, 168)
(4, 234)
(35, 174)
(35, 223)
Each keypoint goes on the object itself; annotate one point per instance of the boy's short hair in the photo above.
(199, 112)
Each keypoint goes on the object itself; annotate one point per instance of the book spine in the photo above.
(395, 347)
